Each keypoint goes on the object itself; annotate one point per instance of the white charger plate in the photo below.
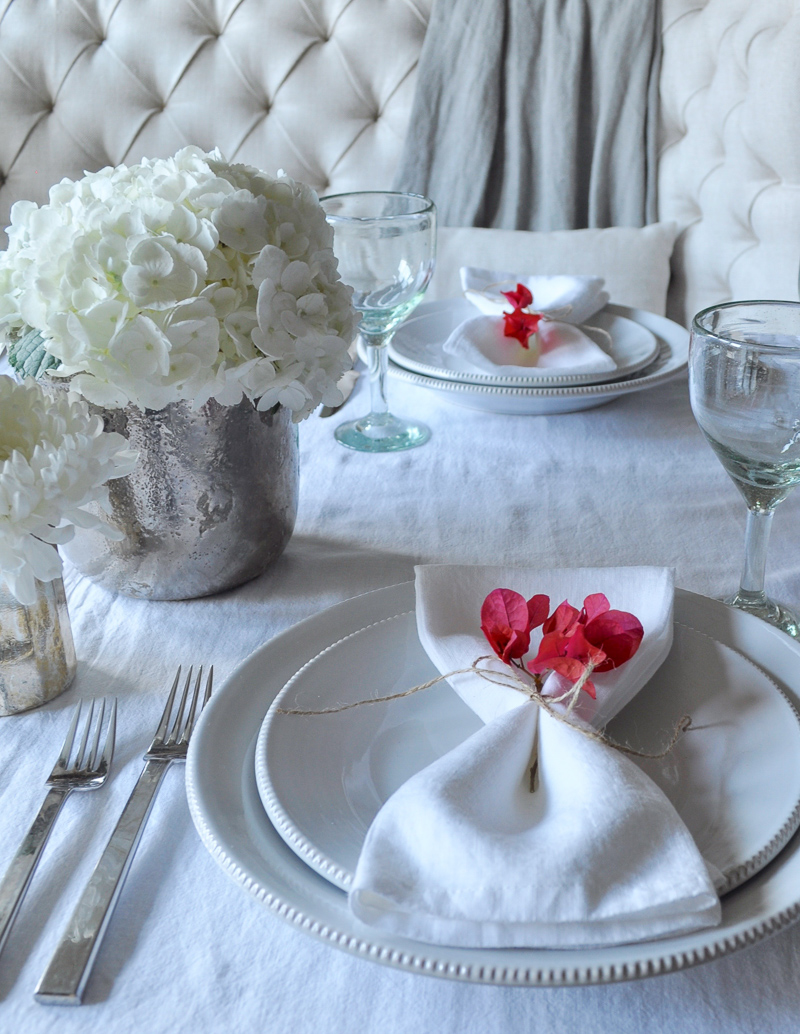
(227, 811)
(417, 345)
(672, 359)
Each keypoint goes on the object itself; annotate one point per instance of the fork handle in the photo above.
(23, 865)
(65, 979)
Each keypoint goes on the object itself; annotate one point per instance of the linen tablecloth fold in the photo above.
(464, 854)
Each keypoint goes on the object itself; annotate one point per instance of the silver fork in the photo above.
(65, 978)
(88, 771)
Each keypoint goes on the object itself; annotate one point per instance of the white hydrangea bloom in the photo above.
(182, 278)
(54, 459)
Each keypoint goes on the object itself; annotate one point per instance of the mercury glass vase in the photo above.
(37, 655)
(211, 503)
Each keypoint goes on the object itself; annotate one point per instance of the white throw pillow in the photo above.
(634, 262)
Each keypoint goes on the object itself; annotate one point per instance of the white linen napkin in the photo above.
(464, 854)
(480, 342)
(583, 296)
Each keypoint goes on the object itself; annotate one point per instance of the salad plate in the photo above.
(740, 804)
(417, 345)
(228, 813)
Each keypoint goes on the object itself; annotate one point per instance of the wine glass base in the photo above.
(381, 432)
(768, 610)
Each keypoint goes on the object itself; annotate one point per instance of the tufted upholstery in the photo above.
(323, 89)
(729, 166)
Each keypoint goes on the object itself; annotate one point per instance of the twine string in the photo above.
(534, 693)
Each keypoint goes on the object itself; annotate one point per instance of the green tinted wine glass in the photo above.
(744, 383)
(385, 244)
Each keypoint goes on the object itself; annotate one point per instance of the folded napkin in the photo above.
(559, 345)
(582, 296)
(464, 854)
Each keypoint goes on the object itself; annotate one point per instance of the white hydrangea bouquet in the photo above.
(186, 278)
(55, 458)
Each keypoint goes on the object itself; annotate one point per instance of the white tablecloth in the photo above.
(631, 482)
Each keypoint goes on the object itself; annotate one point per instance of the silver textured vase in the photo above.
(37, 655)
(211, 503)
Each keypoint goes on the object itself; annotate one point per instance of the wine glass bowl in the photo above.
(744, 383)
(385, 244)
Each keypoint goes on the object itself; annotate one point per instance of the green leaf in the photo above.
(29, 356)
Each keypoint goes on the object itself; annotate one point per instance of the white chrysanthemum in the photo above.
(54, 459)
(182, 278)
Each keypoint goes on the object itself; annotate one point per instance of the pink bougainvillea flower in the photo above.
(521, 325)
(568, 655)
(563, 619)
(552, 646)
(507, 620)
(504, 622)
(594, 605)
(575, 643)
(618, 634)
(521, 298)
(597, 638)
(538, 607)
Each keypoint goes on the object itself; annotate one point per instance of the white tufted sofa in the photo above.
(323, 89)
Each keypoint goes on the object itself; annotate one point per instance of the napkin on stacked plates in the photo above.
(563, 347)
(464, 854)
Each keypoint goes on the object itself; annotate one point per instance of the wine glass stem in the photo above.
(756, 540)
(378, 364)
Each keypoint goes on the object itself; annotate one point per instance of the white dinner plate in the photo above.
(417, 346)
(323, 778)
(229, 816)
(673, 355)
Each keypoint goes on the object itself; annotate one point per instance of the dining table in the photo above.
(630, 482)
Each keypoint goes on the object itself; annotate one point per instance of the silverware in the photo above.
(88, 771)
(65, 978)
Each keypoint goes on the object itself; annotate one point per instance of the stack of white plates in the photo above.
(647, 349)
(283, 802)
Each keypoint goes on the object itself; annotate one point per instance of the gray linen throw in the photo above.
(537, 114)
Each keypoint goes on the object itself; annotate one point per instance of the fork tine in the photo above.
(87, 728)
(108, 747)
(186, 731)
(193, 711)
(174, 733)
(91, 757)
(162, 725)
(66, 750)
